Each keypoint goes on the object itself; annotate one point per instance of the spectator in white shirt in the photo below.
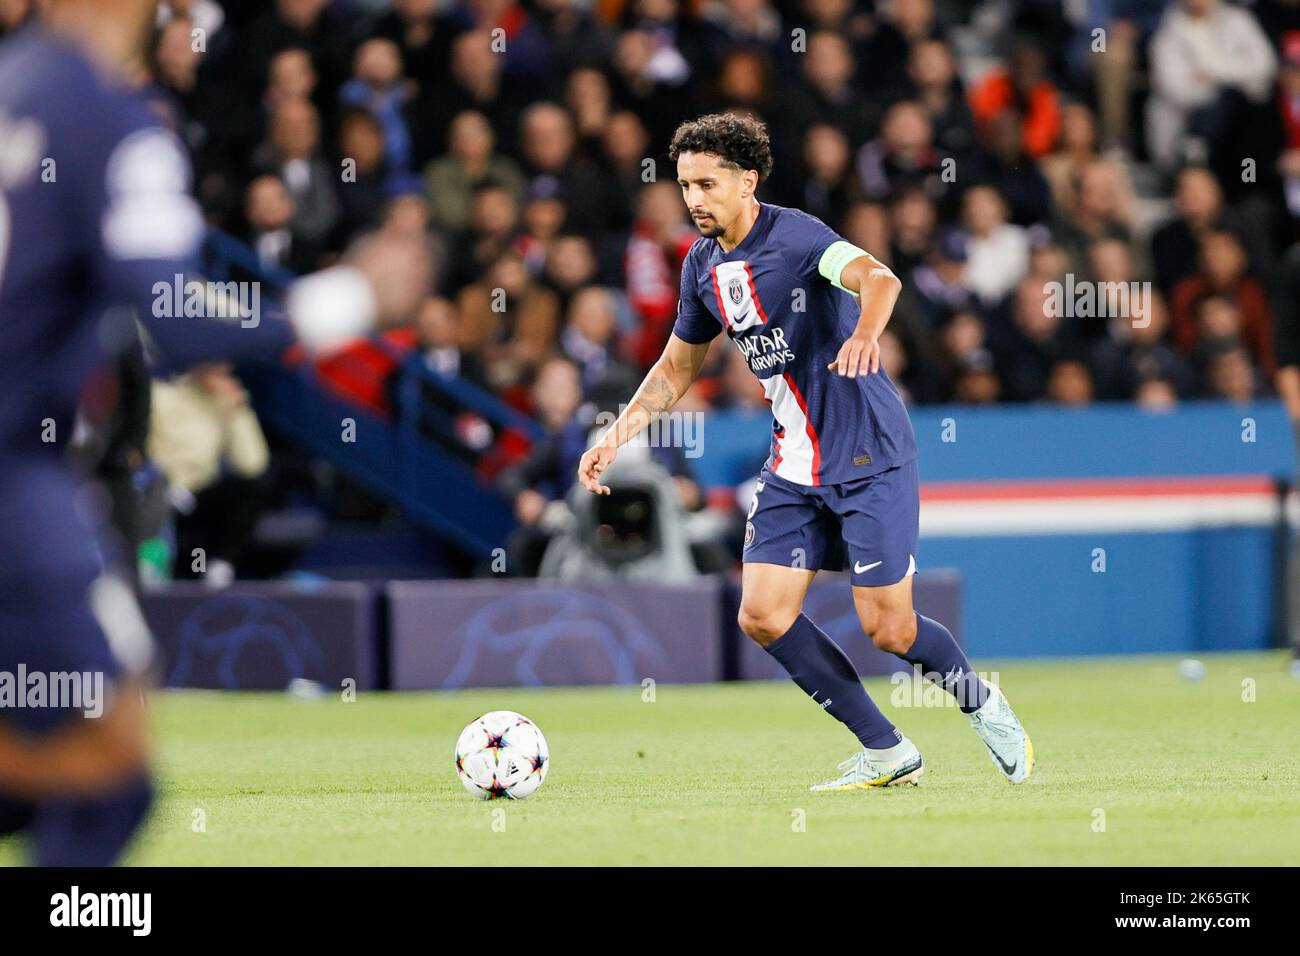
(1202, 49)
(997, 252)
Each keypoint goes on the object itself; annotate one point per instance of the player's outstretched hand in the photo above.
(859, 355)
(594, 461)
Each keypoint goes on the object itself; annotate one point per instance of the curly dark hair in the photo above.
(740, 141)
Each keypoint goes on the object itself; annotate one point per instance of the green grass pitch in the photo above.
(1134, 766)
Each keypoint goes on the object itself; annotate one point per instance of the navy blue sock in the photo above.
(89, 832)
(15, 816)
(937, 654)
(821, 668)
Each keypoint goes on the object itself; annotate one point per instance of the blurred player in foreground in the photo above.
(81, 251)
(806, 309)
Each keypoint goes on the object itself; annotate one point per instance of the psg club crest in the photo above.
(735, 290)
(749, 533)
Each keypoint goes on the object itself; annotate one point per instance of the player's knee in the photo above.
(126, 758)
(764, 625)
(105, 753)
(894, 633)
(123, 740)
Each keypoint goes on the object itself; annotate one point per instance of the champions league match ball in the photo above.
(502, 754)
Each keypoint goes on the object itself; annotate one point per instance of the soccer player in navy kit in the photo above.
(95, 219)
(806, 309)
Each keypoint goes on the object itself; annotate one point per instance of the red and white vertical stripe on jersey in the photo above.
(812, 432)
(778, 432)
(753, 291)
(800, 456)
(733, 284)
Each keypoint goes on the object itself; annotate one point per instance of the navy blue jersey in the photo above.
(94, 212)
(789, 322)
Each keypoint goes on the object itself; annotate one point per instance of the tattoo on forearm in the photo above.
(656, 394)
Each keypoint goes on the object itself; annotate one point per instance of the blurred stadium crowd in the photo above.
(984, 150)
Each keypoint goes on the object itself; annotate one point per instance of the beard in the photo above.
(709, 229)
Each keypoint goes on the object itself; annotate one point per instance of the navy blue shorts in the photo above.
(51, 575)
(868, 525)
